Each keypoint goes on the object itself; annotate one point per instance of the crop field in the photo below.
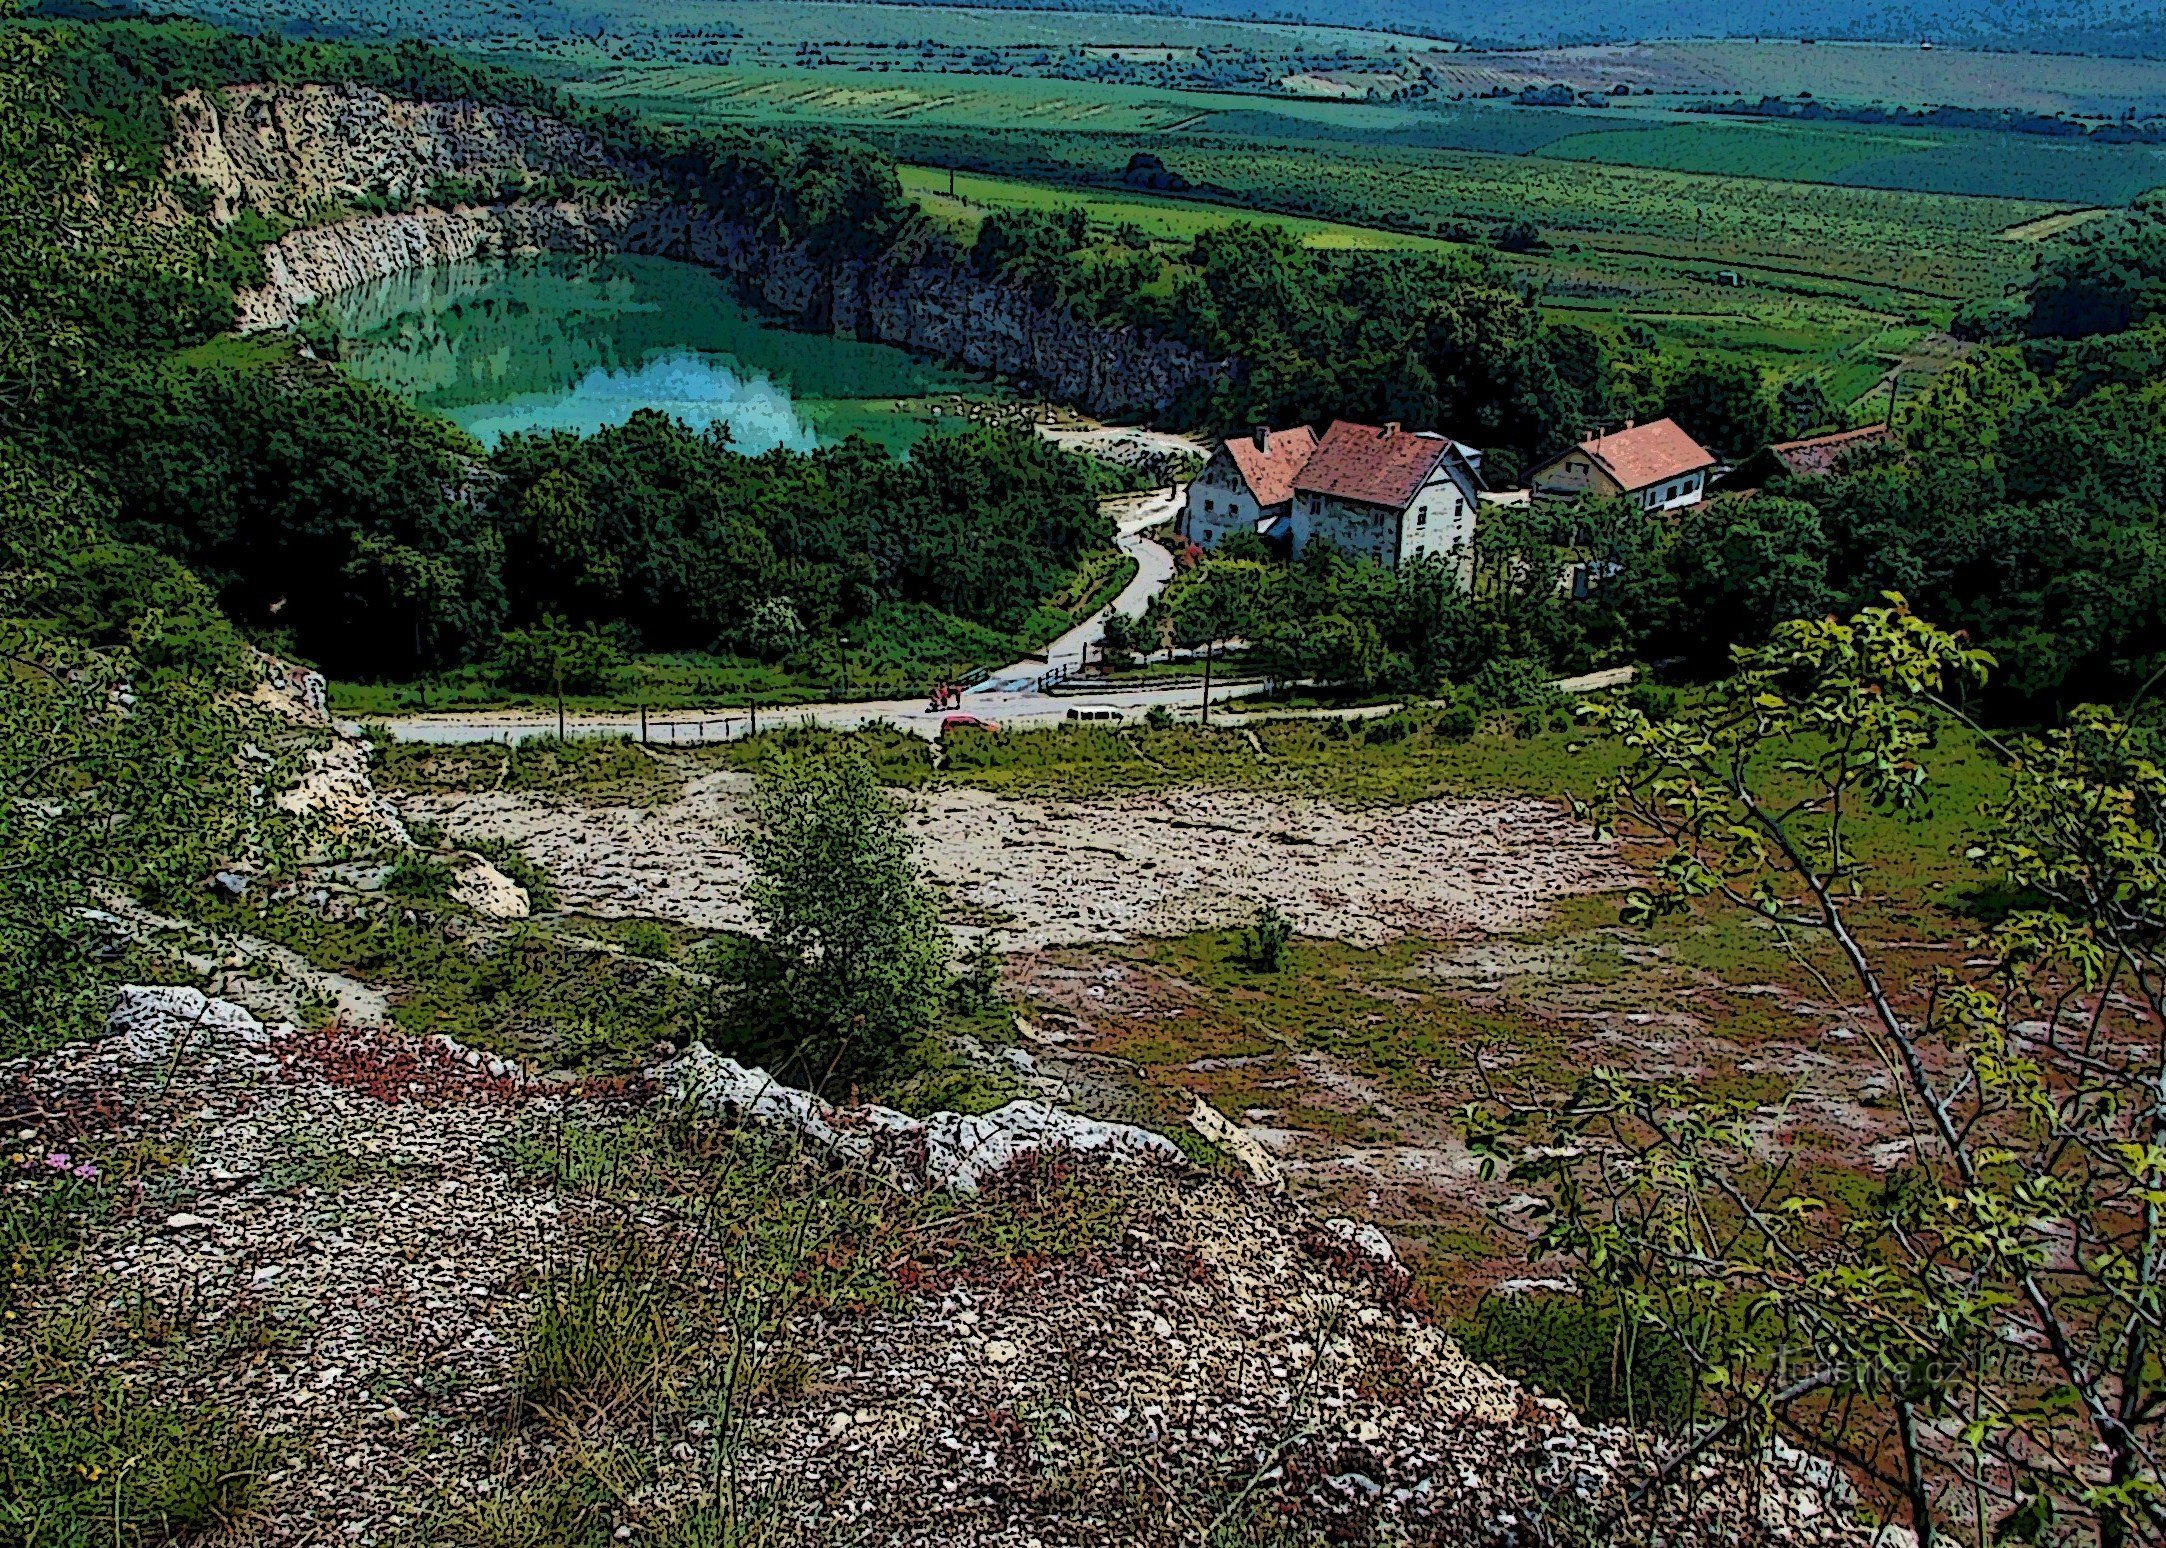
(1837, 72)
(1951, 161)
(1162, 219)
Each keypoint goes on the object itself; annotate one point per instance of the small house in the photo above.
(1657, 466)
(1247, 486)
(1385, 493)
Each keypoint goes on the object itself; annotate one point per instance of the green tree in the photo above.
(121, 734)
(853, 956)
(1977, 1336)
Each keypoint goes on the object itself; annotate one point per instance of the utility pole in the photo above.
(1208, 647)
(845, 640)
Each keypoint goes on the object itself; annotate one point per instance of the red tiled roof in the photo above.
(1269, 471)
(1384, 467)
(1648, 454)
(1817, 456)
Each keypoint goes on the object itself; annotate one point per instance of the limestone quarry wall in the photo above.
(299, 151)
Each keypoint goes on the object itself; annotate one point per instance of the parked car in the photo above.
(1094, 712)
(969, 723)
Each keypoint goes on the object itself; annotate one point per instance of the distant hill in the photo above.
(2060, 26)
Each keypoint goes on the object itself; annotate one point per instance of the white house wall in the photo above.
(1219, 504)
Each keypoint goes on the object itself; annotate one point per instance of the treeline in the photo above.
(1445, 340)
(380, 541)
(2126, 131)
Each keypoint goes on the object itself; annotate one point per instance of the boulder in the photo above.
(491, 894)
(158, 1020)
(950, 1150)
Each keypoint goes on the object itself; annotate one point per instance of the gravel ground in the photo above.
(333, 1246)
(1053, 873)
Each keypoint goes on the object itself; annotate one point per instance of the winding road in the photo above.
(1012, 695)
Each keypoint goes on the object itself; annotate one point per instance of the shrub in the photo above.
(1458, 720)
(553, 657)
(1653, 700)
(420, 879)
(1264, 942)
(853, 958)
(977, 987)
(1605, 1365)
(1511, 682)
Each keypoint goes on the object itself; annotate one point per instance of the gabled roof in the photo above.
(1269, 470)
(1647, 454)
(1819, 456)
(1377, 466)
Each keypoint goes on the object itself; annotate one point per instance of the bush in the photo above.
(1511, 682)
(853, 958)
(1458, 720)
(1264, 943)
(553, 657)
(1653, 700)
(1586, 1352)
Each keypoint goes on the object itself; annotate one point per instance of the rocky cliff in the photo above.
(300, 152)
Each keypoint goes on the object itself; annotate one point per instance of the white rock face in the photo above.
(156, 1019)
(481, 887)
(948, 1150)
(295, 149)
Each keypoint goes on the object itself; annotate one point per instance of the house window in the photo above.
(1421, 517)
(1208, 507)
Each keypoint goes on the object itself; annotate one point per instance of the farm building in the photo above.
(1818, 456)
(1247, 486)
(1656, 464)
(1388, 494)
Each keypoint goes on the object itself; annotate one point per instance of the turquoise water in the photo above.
(575, 343)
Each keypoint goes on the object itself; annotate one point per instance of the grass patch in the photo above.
(526, 993)
(103, 1467)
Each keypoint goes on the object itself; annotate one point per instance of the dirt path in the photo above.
(1062, 873)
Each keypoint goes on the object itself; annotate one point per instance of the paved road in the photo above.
(1012, 695)
(1154, 567)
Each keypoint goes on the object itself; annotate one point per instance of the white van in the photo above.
(1099, 712)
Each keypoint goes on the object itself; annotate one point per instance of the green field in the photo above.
(1161, 218)
(1838, 280)
(1834, 72)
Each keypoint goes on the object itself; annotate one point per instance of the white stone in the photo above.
(156, 1019)
(952, 1150)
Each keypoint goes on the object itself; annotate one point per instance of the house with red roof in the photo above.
(1385, 493)
(1247, 486)
(1656, 465)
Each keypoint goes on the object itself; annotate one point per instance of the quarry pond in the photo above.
(580, 343)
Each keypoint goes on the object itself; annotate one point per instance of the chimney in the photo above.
(1629, 421)
(1391, 428)
(1263, 438)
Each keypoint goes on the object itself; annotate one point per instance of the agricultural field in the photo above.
(1921, 160)
(1160, 218)
(1897, 75)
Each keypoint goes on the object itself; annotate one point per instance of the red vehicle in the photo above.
(969, 723)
